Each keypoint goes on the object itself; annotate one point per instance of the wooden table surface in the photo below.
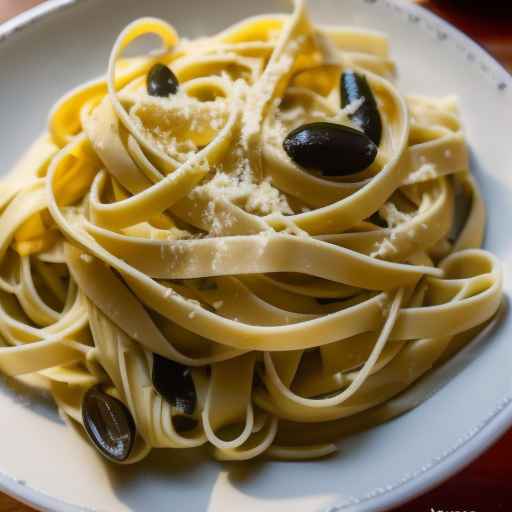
(485, 485)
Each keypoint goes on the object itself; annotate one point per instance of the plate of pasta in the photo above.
(253, 256)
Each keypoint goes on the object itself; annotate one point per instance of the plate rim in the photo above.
(477, 440)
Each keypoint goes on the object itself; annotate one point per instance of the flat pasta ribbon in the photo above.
(143, 227)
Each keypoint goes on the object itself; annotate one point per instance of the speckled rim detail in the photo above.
(9, 485)
(477, 439)
(447, 464)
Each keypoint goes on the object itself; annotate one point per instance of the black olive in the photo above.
(109, 424)
(332, 149)
(174, 382)
(161, 81)
(354, 86)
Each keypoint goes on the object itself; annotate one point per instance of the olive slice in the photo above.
(354, 86)
(161, 81)
(174, 382)
(332, 149)
(109, 424)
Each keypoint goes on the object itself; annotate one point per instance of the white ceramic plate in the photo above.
(45, 52)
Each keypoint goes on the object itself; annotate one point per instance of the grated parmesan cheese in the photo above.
(86, 258)
(220, 251)
(424, 173)
(393, 216)
(260, 198)
(263, 90)
(384, 248)
(178, 125)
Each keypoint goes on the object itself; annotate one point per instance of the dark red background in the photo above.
(485, 485)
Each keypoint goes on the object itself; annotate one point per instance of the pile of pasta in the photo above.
(179, 226)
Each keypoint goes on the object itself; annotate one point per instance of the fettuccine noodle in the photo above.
(179, 226)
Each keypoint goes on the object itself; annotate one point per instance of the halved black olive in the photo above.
(354, 86)
(109, 424)
(332, 149)
(161, 81)
(174, 382)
